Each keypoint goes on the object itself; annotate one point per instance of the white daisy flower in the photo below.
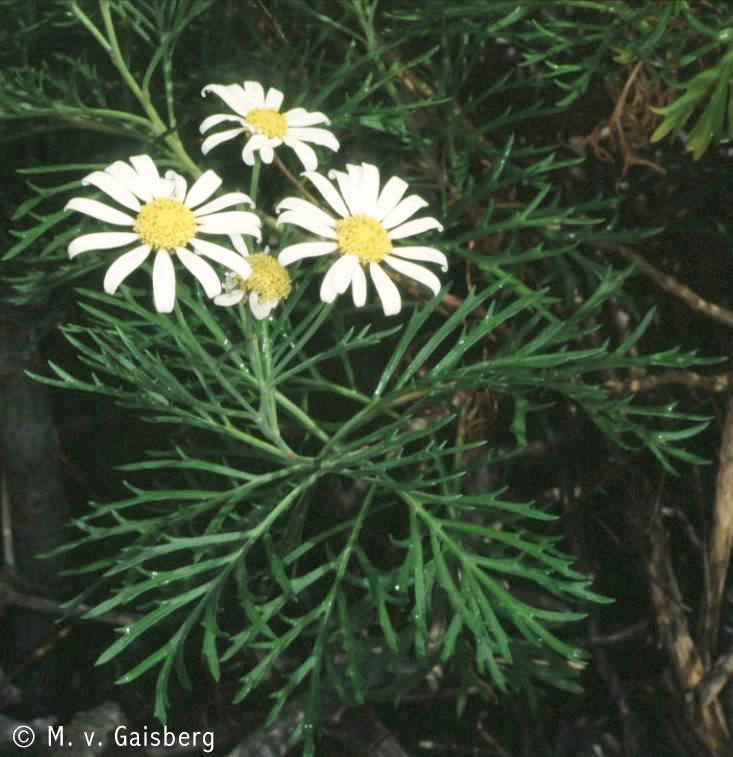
(167, 218)
(264, 288)
(258, 117)
(370, 221)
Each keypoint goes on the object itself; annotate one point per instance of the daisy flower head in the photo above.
(264, 288)
(362, 236)
(264, 126)
(167, 219)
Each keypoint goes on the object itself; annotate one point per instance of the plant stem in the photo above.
(111, 46)
(254, 179)
(306, 421)
(261, 356)
(294, 181)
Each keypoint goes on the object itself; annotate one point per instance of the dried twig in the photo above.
(10, 596)
(716, 679)
(707, 721)
(718, 383)
(617, 692)
(299, 185)
(7, 522)
(615, 637)
(275, 739)
(671, 284)
(496, 747)
(721, 541)
(364, 734)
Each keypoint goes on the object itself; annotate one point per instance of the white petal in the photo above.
(104, 240)
(266, 152)
(306, 155)
(369, 188)
(328, 290)
(239, 244)
(148, 172)
(403, 210)
(216, 139)
(167, 189)
(260, 310)
(391, 194)
(386, 289)
(359, 286)
(234, 262)
(217, 228)
(124, 266)
(343, 272)
(179, 185)
(255, 93)
(315, 136)
(112, 187)
(418, 226)
(328, 192)
(308, 222)
(254, 143)
(229, 229)
(295, 252)
(164, 282)
(230, 222)
(303, 206)
(344, 184)
(302, 117)
(415, 271)
(225, 201)
(202, 189)
(218, 118)
(206, 275)
(355, 173)
(128, 177)
(274, 99)
(100, 211)
(428, 254)
(338, 277)
(232, 94)
(229, 298)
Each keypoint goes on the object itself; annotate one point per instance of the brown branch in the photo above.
(670, 616)
(629, 725)
(716, 679)
(615, 637)
(9, 596)
(721, 541)
(717, 383)
(285, 171)
(671, 284)
(707, 721)
(493, 744)
(6, 522)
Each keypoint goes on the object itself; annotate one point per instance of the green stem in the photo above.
(111, 45)
(305, 420)
(254, 179)
(79, 13)
(261, 357)
(268, 398)
(297, 184)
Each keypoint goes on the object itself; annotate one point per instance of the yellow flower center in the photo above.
(165, 223)
(364, 237)
(269, 280)
(269, 122)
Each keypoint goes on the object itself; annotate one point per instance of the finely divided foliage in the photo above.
(315, 518)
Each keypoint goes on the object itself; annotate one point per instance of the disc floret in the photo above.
(363, 236)
(165, 224)
(268, 280)
(267, 121)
